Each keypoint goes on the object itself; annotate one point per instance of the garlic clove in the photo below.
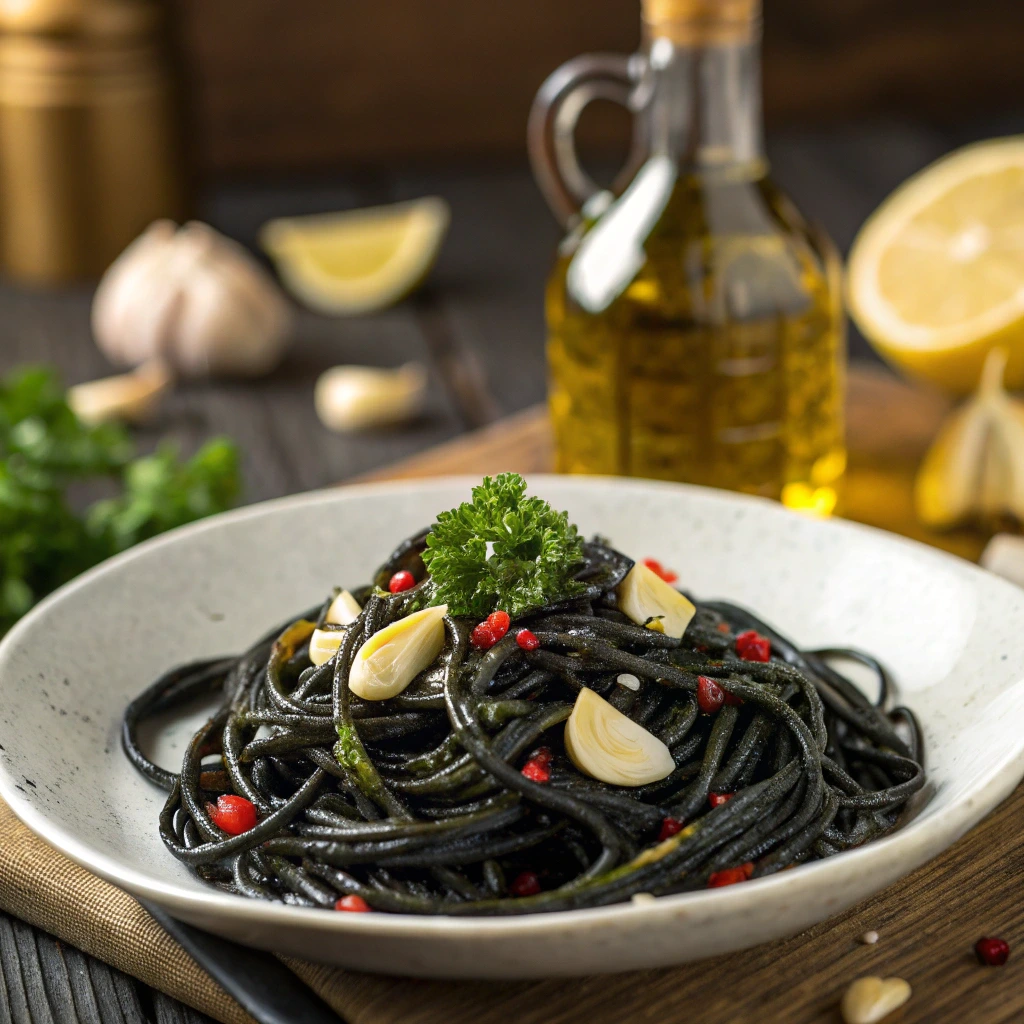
(194, 298)
(324, 643)
(606, 745)
(350, 398)
(393, 657)
(975, 467)
(344, 610)
(133, 283)
(644, 596)
(128, 397)
(869, 1000)
(1004, 555)
(232, 318)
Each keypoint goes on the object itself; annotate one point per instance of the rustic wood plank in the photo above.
(318, 83)
(927, 924)
(170, 1011)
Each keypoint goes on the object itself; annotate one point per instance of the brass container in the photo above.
(89, 140)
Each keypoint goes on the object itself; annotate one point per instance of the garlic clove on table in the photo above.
(975, 467)
(128, 397)
(194, 298)
(350, 398)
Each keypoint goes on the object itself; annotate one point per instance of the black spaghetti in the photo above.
(457, 795)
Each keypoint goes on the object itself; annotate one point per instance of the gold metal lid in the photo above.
(95, 18)
(702, 22)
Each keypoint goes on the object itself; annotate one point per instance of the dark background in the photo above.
(300, 85)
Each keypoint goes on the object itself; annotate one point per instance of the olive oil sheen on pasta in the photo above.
(695, 329)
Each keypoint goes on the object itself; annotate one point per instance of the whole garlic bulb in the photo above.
(975, 467)
(193, 298)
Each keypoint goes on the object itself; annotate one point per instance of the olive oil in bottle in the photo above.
(695, 326)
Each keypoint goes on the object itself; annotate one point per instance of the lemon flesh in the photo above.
(936, 275)
(359, 261)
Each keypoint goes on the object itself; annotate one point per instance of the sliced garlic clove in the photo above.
(606, 745)
(645, 596)
(128, 397)
(324, 643)
(975, 467)
(350, 398)
(344, 610)
(392, 658)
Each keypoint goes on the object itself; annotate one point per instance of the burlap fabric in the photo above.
(41, 886)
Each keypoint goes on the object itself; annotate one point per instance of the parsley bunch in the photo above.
(45, 451)
(502, 550)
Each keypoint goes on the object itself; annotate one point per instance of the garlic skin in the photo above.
(324, 643)
(351, 398)
(128, 397)
(393, 657)
(194, 299)
(975, 467)
(644, 595)
(606, 745)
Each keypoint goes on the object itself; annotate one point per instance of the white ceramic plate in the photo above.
(950, 632)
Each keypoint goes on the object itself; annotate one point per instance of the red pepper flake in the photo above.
(483, 637)
(729, 876)
(992, 952)
(499, 622)
(751, 646)
(526, 883)
(543, 756)
(536, 770)
(717, 799)
(487, 633)
(232, 814)
(353, 904)
(402, 580)
(710, 695)
(527, 641)
(659, 570)
(723, 627)
(669, 828)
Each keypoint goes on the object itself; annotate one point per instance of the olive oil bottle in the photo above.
(694, 316)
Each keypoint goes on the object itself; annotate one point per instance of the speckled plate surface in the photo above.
(950, 633)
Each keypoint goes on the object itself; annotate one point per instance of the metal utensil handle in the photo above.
(555, 114)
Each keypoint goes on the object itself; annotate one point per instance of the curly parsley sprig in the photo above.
(502, 550)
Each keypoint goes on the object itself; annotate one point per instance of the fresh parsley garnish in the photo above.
(502, 550)
(48, 456)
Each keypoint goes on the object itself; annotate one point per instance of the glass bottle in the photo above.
(695, 328)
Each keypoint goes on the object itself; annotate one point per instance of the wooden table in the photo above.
(479, 328)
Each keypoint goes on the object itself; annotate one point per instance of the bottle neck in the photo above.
(704, 105)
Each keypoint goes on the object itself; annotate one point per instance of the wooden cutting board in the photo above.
(927, 923)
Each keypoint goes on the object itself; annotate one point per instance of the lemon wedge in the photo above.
(358, 261)
(935, 278)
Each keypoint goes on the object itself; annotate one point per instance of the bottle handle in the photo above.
(555, 114)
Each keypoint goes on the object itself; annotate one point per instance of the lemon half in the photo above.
(935, 278)
(358, 261)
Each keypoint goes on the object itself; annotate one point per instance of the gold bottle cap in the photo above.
(702, 22)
